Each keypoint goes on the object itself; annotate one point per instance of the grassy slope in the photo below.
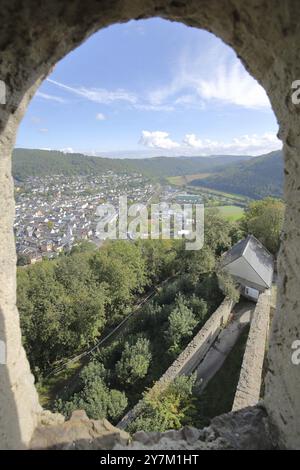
(231, 213)
(185, 179)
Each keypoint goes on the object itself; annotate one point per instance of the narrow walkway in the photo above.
(218, 352)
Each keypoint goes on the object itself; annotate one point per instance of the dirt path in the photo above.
(218, 352)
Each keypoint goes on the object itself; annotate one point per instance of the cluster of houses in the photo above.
(54, 213)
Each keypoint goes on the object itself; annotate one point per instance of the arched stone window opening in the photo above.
(32, 40)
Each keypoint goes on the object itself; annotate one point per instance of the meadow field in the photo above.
(231, 213)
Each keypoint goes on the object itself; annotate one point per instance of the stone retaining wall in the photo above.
(249, 385)
(188, 360)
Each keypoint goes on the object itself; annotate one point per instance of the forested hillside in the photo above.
(66, 305)
(257, 178)
(69, 304)
(28, 162)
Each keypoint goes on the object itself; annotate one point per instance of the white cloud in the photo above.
(200, 77)
(67, 150)
(157, 96)
(190, 101)
(154, 107)
(103, 96)
(192, 141)
(100, 117)
(192, 145)
(213, 75)
(244, 145)
(45, 96)
(43, 130)
(157, 139)
(232, 84)
(98, 95)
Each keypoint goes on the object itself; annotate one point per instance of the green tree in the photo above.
(166, 408)
(167, 293)
(208, 289)
(62, 309)
(197, 264)
(161, 258)
(217, 231)
(150, 319)
(228, 286)
(181, 324)
(264, 220)
(84, 246)
(134, 362)
(22, 260)
(95, 397)
(198, 307)
(121, 267)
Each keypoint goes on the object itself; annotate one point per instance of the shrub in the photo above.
(134, 362)
(95, 397)
(181, 325)
(229, 286)
(166, 408)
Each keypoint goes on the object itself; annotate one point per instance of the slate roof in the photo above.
(235, 252)
(254, 252)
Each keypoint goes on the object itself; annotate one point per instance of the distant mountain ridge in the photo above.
(256, 178)
(34, 162)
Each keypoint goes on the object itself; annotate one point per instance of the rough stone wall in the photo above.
(249, 385)
(78, 433)
(246, 429)
(19, 406)
(187, 361)
(265, 34)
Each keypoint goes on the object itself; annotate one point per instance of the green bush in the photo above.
(198, 306)
(166, 408)
(95, 397)
(229, 286)
(264, 219)
(182, 322)
(134, 362)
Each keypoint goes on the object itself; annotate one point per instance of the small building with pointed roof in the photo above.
(251, 265)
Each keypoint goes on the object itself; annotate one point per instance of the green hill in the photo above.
(256, 178)
(28, 162)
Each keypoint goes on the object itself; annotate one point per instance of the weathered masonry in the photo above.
(265, 34)
(249, 384)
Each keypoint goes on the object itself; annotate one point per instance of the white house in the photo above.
(251, 265)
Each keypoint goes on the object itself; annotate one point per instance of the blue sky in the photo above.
(150, 88)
